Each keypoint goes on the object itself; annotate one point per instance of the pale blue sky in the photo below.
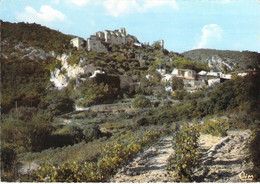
(182, 24)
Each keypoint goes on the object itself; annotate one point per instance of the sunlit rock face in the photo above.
(218, 63)
(61, 77)
(59, 80)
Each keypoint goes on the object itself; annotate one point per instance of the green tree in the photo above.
(177, 84)
(93, 93)
(184, 63)
(141, 102)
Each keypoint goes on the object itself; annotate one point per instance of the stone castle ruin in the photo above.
(160, 43)
(100, 41)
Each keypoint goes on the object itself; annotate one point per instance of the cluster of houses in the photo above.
(193, 80)
(100, 41)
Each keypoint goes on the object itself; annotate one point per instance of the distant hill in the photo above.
(34, 35)
(225, 59)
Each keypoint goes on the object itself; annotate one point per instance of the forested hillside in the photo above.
(34, 35)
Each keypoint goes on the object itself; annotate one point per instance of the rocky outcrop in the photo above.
(217, 63)
(61, 77)
(58, 79)
(25, 52)
(27, 169)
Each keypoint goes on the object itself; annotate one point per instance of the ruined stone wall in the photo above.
(96, 42)
(189, 74)
(115, 40)
(130, 39)
(96, 45)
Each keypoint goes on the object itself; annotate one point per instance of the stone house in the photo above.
(78, 42)
(226, 76)
(203, 75)
(184, 73)
(94, 43)
(115, 37)
(213, 77)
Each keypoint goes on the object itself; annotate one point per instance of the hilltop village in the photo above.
(101, 41)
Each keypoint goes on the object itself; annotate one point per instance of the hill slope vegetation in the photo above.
(244, 59)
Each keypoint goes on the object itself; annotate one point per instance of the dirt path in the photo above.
(149, 166)
(223, 159)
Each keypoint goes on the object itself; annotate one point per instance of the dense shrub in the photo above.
(8, 156)
(216, 127)
(254, 150)
(195, 95)
(27, 135)
(182, 62)
(19, 136)
(23, 113)
(67, 135)
(141, 102)
(179, 94)
(9, 162)
(243, 121)
(94, 93)
(35, 35)
(160, 92)
(241, 95)
(91, 133)
(142, 121)
(24, 83)
(57, 102)
(185, 158)
(76, 56)
(203, 108)
(169, 114)
(177, 83)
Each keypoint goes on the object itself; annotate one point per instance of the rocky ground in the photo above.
(223, 159)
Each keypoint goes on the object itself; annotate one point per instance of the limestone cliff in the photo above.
(61, 77)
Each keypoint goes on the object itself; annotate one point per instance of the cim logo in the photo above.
(245, 177)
